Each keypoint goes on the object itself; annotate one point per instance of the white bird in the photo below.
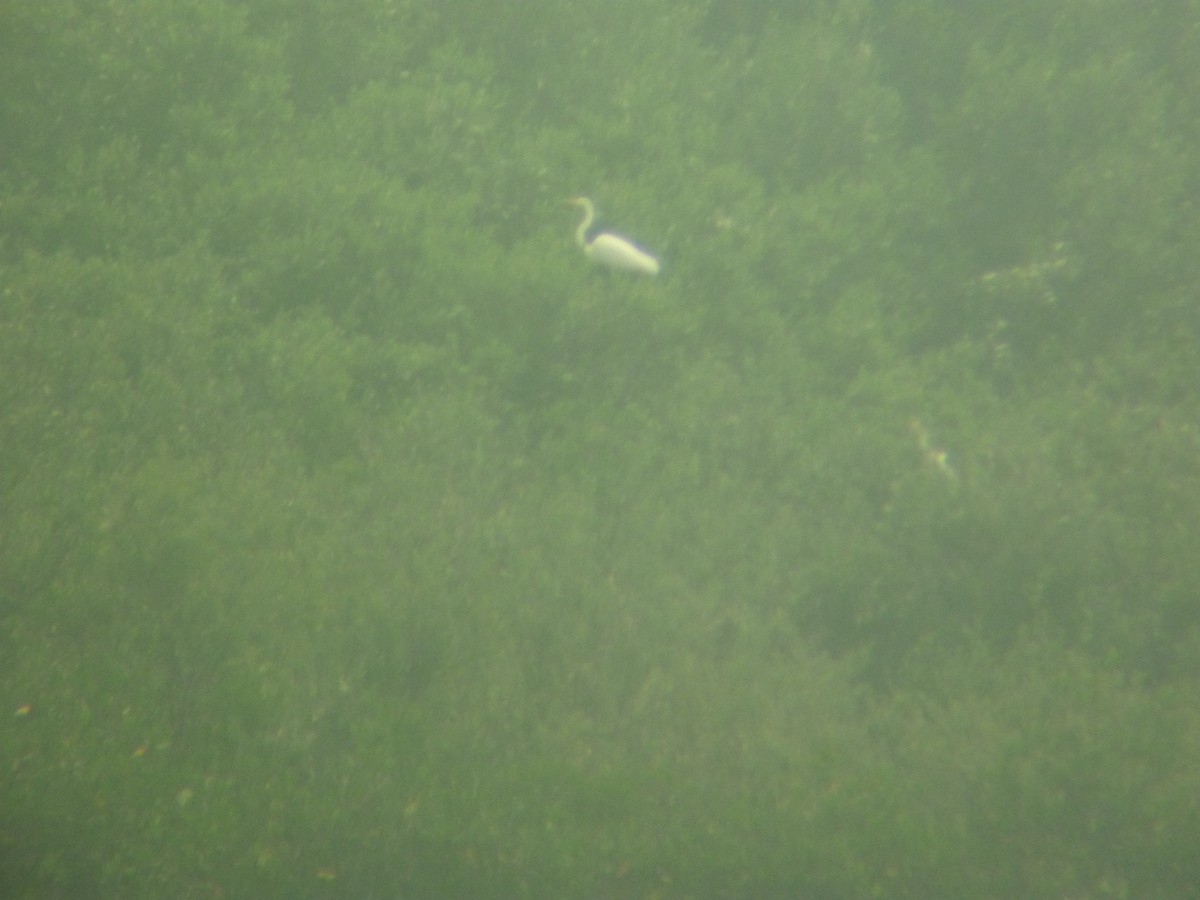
(610, 249)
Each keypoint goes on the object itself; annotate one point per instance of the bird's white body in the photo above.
(610, 249)
(614, 251)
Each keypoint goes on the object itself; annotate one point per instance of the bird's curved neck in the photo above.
(589, 213)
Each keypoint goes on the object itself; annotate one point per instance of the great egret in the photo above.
(610, 249)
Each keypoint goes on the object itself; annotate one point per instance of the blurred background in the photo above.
(358, 538)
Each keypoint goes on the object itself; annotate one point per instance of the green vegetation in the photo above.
(357, 539)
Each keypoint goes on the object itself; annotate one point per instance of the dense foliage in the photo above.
(358, 539)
